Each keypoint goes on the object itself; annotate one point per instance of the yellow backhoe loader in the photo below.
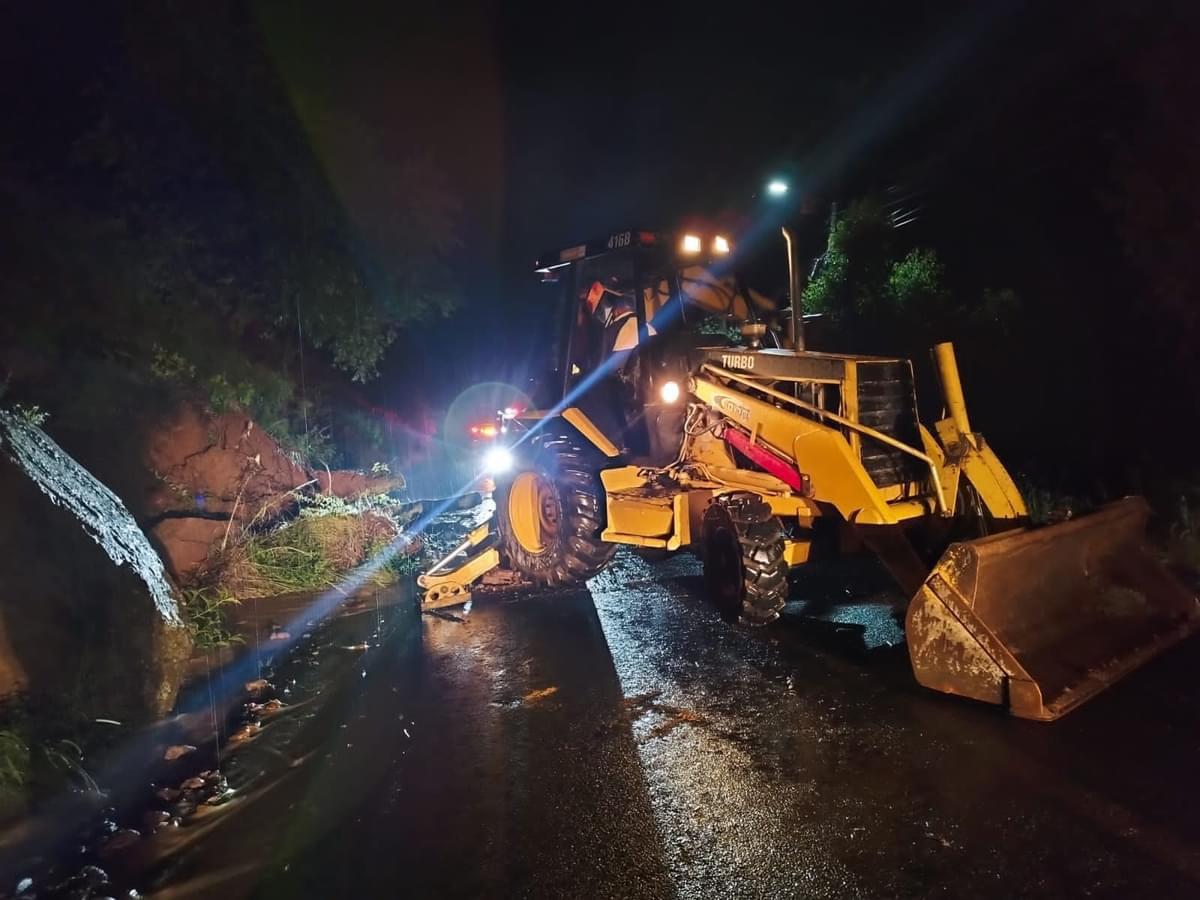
(749, 449)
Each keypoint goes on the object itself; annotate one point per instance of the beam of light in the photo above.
(124, 775)
(51, 832)
(777, 187)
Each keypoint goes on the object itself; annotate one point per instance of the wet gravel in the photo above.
(622, 741)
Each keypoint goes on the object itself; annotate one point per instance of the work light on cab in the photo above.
(691, 244)
(720, 245)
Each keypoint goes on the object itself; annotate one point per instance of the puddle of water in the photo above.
(241, 731)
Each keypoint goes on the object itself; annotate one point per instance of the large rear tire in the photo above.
(550, 513)
(744, 568)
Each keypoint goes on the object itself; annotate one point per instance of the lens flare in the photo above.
(497, 460)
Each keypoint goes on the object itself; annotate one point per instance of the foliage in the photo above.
(14, 769)
(868, 282)
(328, 505)
(361, 434)
(1045, 505)
(205, 610)
(65, 757)
(915, 282)
(290, 559)
(325, 505)
(329, 537)
(719, 326)
(250, 269)
(33, 415)
(1184, 542)
(879, 294)
(36, 757)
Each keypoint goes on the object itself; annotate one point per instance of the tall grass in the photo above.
(206, 611)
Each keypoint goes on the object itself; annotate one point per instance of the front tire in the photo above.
(744, 568)
(550, 514)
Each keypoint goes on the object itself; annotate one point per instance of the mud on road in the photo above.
(622, 741)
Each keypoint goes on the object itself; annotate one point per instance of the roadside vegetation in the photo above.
(207, 613)
(265, 269)
(314, 550)
(43, 753)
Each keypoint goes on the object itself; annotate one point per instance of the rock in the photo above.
(213, 464)
(245, 733)
(177, 750)
(155, 819)
(349, 484)
(186, 543)
(193, 784)
(89, 877)
(184, 808)
(85, 606)
(122, 839)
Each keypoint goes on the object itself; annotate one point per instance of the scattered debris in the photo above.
(263, 709)
(177, 750)
(676, 717)
(502, 577)
(258, 686)
(442, 614)
(245, 733)
(121, 839)
(540, 694)
(155, 819)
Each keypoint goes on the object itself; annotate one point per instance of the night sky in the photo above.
(1043, 142)
(556, 127)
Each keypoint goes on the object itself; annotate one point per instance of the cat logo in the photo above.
(734, 410)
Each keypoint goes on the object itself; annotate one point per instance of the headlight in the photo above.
(497, 460)
(690, 244)
(669, 392)
(720, 245)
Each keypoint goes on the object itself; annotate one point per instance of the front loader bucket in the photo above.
(1042, 619)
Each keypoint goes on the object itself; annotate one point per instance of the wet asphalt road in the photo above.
(622, 741)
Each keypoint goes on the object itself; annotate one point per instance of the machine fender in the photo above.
(590, 432)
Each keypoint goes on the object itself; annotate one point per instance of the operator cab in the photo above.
(632, 305)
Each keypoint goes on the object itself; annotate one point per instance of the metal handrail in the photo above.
(841, 420)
